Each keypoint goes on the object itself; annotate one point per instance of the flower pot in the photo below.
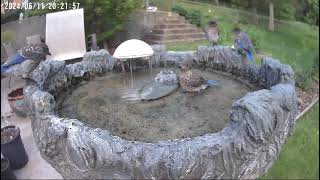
(15, 99)
(12, 147)
(6, 171)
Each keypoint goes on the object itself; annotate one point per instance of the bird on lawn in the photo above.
(243, 44)
(212, 32)
(191, 81)
(34, 52)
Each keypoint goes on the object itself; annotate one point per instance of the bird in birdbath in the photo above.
(192, 81)
(163, 84)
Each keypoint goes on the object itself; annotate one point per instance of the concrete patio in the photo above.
(37, 167)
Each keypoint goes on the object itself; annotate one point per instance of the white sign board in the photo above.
(65, 35)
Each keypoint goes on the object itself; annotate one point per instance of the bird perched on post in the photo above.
(191, 81)
(34, 52)
(212, 32)
(243, 44)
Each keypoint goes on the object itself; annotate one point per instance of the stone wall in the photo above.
(246, 148)
(29, 26)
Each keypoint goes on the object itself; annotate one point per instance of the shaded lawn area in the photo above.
(299, 158)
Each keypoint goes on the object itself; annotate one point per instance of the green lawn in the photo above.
(299, 158)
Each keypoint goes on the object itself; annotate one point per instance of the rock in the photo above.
(22, 70)
(273, 72)
(299, 101)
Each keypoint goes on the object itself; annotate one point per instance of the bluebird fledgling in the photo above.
(212, 32)
(36, 52)
(243, 44)
(191, 81)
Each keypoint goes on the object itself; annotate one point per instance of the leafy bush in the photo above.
(194, 16)
(287, 11)
(180, 10)
(315, 65)
(256, 37)
(303, 78)
(11, 15)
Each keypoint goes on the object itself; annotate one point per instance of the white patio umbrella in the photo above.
(132, 49)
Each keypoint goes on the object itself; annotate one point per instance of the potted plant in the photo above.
(6, 40)
(15, 99)
(12, 147)
(6, 171)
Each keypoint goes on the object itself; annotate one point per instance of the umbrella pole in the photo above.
(131, 73)
(122, 65)
(150, 67)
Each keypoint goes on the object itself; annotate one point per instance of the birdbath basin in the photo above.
(84, 130)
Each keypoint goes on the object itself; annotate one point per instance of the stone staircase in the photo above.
(174, 28)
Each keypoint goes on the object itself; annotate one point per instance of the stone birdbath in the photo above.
(258, 123)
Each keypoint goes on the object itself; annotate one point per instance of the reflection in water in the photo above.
(98, 103)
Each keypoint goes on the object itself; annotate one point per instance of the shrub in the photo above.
(303, 78)
(194, 16)
(255, 36)
(180, 10)
(315, 65)
(10, 15)
(287, 11)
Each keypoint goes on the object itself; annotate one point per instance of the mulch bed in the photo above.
(305, 98)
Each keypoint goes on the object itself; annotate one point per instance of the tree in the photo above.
(271, 16)
(103, 17)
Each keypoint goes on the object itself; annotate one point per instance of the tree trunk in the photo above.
(217, 2)
(271, 17)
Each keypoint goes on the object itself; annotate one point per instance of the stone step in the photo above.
(164, 14)
(175, 18)
(157, 37)
(175, 21)
(173, 41)
(176, 31)
(173, 26)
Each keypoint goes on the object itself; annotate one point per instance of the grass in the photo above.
(292, 42)
(299, 158)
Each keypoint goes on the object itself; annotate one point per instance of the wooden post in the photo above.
(92, 42)
(271, 17)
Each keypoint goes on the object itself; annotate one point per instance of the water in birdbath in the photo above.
(98, 103)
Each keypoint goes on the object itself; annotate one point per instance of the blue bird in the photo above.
(243, 44)
(36, 52)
